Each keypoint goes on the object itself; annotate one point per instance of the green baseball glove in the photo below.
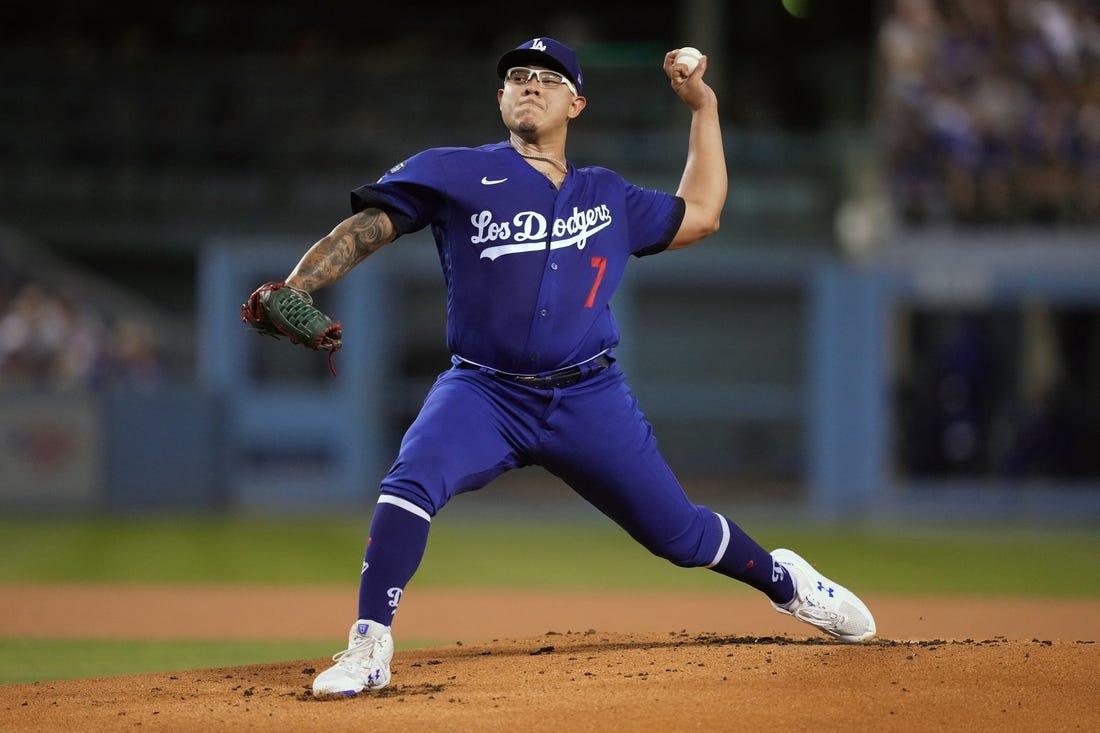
(277, 310)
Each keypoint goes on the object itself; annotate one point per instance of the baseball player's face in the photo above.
(532, 108)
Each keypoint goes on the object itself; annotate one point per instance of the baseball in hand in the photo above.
(689, 57)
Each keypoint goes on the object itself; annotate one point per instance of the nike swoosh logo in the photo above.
(486, 182)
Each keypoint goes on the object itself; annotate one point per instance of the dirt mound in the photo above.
(593, 681)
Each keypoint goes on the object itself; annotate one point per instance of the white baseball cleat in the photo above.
(822, 603)
(364, 665)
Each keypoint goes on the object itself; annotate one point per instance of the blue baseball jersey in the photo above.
(529, 269)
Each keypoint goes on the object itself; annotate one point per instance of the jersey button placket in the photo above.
(543, 312)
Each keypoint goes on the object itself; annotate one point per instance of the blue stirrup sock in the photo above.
(741, 558)
(398, 538)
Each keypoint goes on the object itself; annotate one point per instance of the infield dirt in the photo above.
(597, 662)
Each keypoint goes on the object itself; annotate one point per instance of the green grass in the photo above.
(538, 554)
(180, 550)
(27, 660)
(997, 562)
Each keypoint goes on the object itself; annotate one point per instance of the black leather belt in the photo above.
(554, 380)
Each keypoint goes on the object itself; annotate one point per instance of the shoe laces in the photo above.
(817, 614)
(359, 656)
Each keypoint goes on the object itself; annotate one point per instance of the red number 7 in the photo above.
(600, 263)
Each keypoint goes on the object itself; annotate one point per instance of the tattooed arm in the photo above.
(351, 242)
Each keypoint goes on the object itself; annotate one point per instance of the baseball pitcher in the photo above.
(532, 250)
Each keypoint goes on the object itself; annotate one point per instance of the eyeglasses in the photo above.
(547, 79)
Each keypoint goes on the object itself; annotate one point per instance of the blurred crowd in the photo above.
(55, 340)
(990, 110)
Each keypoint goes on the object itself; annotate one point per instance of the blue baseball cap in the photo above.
(546, 52)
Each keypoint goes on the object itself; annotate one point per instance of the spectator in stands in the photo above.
(990, 110)
(61, 342)
(32, 333)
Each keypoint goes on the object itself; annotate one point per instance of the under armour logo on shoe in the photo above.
(361, 629)
(829, 590)
(777, 572)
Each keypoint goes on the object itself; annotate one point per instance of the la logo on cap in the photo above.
(538, 45)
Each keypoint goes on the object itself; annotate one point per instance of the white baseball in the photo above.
(689, 57)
